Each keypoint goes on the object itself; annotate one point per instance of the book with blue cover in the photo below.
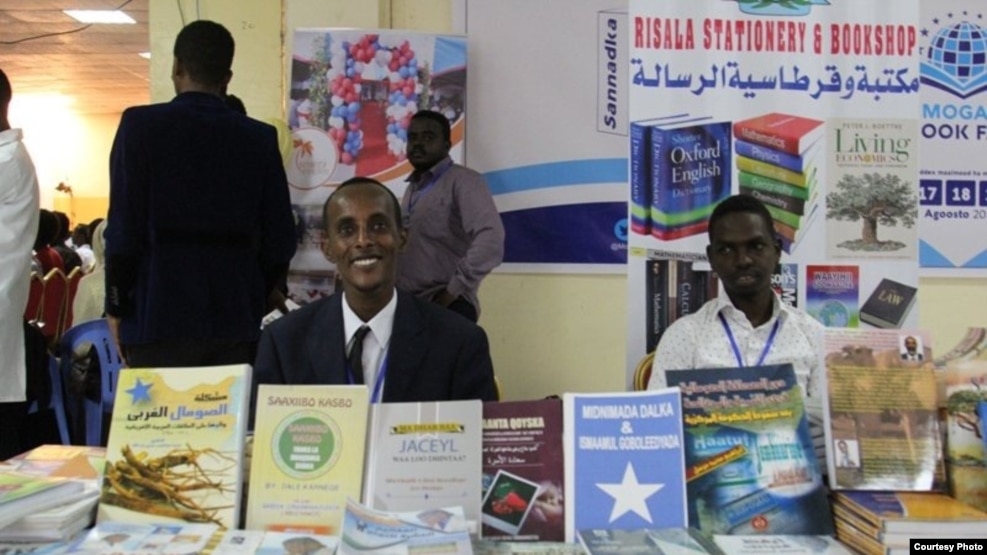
(691, 173)
(831, 294)
(624, 460)
(640, 172)
(750, 463)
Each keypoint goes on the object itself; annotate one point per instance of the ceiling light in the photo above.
(145, 55)
(99, 16)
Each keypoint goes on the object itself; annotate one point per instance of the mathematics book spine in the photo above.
(307, 439)
(691, 174)
(656, 293)
(785, 132)
(523, 471)
(750, 463)
(175, 448)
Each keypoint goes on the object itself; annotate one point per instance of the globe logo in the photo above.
(956, 59)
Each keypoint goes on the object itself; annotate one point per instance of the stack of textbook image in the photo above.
(886, 522)
(777, 161)
(680, 170)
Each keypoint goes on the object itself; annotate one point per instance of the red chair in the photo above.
(37, 293)
(73, 278)
(53, 304)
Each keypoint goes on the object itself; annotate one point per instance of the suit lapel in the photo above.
(326, 345)
(407, 349)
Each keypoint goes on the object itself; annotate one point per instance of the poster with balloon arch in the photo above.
(352, 95)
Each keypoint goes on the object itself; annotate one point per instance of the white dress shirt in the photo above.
(374, 343)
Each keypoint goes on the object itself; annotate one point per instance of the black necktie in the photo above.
(355, 360)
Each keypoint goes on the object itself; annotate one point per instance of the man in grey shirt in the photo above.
(455, 235)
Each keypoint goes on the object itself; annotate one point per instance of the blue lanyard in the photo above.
(418, 192)
(736, 349)
(378, 382)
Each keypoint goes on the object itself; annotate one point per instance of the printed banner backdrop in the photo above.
(549, 115)
(352, 95)
(953, 183)
(811, 107)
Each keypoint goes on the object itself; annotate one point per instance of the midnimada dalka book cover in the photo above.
(309, 445)
(175, 449)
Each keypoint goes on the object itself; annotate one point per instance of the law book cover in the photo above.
(624, 460)
(664, 541)
(750, 463)
(918, 513)
(753, 181)
(126, 538)
(426, 455)
(831, 294)
(793, 162)
(308, 456)
(785, 132)
(523, 481)
(881, 433)
(692, 172)
(259, 542)
(770, 544)
(640, 171)
(888, 305)
(764, 169)
(966, 464)
(175, 448)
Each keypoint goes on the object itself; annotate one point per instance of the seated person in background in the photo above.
(89, 296)
(749, 325)
(47, 256)
(414, 350)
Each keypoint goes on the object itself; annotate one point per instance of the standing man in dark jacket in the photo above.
(200, 230)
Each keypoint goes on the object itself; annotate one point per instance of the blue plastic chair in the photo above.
(97, 333)
(56, 402)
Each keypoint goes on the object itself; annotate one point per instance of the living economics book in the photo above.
(624, 463)
(750, 464)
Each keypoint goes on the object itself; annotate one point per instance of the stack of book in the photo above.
(777, 159)
(885, 523)
(23, 497)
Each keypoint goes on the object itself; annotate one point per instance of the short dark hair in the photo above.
(356, 181)
(205, 49)
(235, 104)
(5, 91)
(741, 203)
(437, 118)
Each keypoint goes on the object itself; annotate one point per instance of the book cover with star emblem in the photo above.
(308, 456)
(624, 461)
(750, 464)
(175, 449)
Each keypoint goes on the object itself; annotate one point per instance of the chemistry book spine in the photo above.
(308, 439)
(523, 471)
(748, 449)
(691, 174)
(791, 205)
(786, 132)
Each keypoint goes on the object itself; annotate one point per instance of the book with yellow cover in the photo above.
(917, 513)
(175, 448)
(79, 462)
(307, 457)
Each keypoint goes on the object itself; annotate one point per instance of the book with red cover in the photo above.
(785, 132)
(523, 471)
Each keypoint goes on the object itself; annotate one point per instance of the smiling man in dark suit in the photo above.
(413, 350)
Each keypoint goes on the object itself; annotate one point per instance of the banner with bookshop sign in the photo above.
(812, 107)
(953, 181)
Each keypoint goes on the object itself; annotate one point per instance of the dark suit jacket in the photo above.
(434, 354)
(200, 223)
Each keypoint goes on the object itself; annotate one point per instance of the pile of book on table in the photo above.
(49, 493)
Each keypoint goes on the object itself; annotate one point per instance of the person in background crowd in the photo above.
(187, 283)
(455, 235)
(404, 348)
(46, 235)
(63, 244)
(81, 243)
(89, 296)
(19, 215)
